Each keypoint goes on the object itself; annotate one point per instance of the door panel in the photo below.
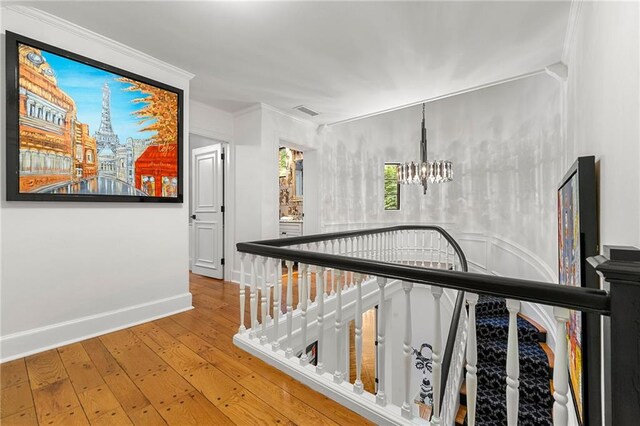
(207, 215)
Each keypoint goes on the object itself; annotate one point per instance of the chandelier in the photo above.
(424, 172)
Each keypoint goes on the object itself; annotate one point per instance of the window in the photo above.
(391, 187)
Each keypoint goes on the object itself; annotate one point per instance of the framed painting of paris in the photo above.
(82, 130)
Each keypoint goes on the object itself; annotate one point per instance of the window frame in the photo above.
(396, 164)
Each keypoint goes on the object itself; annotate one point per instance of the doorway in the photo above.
(291, 192)
(207, 209)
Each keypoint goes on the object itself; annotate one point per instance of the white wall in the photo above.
(205, 120)
(603, 116)
(603, 112)
(504, 142)
(258, 133)
(73, 270)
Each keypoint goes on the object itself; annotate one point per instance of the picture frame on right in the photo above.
(578, 240)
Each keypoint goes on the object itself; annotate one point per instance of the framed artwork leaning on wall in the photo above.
(578, 240)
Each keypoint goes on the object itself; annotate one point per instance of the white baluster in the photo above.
(372, 244)
(242, 328)
(560, 379)
(431, 249)
(436, 292)
(513, 363)
(253, 298)
(415, 247)
(277, 290)
(309, 273)
(268, 287)
(326, 275)
(357, 385)
(406, 405)
(423, 254)
(472, 359)
(439, 250)
(393, 246)
(333, 272)
(263, 301)
(320, 301)
(381, 397)
(289, 350)
(302, 291)
(385, 241)
(337, 375)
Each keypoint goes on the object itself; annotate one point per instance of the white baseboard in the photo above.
(24, 343)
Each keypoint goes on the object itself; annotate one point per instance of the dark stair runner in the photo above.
(536, 399)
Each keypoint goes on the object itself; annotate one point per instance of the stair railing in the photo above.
(343, 290)
(379, 254)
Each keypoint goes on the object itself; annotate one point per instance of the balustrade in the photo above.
(348, 273)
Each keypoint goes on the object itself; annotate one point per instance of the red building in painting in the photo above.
(156, 171)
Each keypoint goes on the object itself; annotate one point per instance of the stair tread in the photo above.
(535, 362)
(533, 322)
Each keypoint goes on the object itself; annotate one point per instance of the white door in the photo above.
(208, 210)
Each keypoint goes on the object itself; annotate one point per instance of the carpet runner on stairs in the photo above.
(536, 399)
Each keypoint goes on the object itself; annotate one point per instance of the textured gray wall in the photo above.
(505, 142)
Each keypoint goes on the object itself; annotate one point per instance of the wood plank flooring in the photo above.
(179, 370)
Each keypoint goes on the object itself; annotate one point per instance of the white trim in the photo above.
(24, 343)
(574, 14)
(343, 393)
(544, 270)
(286, 114)
(210, 134)
(79, 31)
(247, 110)
(440, 97)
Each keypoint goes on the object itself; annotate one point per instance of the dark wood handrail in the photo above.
(583, 299)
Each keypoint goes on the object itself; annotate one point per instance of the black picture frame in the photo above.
(582, 175)
(12, 40)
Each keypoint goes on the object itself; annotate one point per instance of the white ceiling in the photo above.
(342, 59)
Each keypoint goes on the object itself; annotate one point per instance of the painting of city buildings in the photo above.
(86, 131)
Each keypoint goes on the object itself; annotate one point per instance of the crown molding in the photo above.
(260, 106)
(247, 110)
(559, 71)
(574, 14)
(288, 115)
(445, 96)
(113, 45)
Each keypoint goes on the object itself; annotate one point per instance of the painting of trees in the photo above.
(159, 111)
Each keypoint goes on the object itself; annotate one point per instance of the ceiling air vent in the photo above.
(306, 110)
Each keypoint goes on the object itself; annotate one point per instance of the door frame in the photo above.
(309, 214)
(228, 197)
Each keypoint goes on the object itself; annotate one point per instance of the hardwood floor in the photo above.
(179, 370)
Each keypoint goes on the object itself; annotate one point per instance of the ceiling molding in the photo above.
(286, 114)
(247, 110)
(447, 95)
(559, 71)
(262, 106)
(574, 14)
(113, 45)
(210, 134)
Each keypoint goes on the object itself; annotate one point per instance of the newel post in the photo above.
(623, 365)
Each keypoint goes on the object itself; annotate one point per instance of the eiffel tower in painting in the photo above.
(105, 137)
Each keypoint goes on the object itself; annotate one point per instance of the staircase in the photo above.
(536, 368)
